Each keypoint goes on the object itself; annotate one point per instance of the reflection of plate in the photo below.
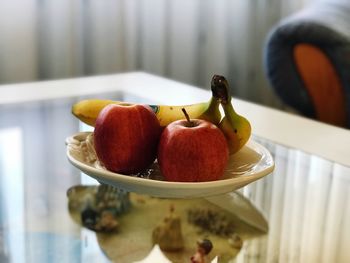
(251, 163)
(132, 241)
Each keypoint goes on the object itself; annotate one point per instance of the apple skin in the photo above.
(192, 154)
(126, 137)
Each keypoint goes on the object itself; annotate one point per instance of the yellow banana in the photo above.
(235, 127)
(88, 110)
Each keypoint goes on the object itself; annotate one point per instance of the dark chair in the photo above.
(307, 61)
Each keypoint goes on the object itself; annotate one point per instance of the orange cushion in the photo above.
(322, 83)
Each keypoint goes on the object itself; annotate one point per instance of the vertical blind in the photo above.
(184, 40)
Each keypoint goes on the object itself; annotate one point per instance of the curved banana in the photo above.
(88, 110)
(235, 127)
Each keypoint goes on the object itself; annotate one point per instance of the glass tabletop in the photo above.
(47, 206)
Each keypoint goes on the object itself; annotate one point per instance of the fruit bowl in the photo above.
(251, 163)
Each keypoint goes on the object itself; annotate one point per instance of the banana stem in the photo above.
(220, 89)
(221, 92)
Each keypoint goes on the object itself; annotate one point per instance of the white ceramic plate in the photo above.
(251, 163)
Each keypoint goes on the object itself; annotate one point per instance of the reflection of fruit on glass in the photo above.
(99, 206)
(126, 138)
(168, 234)
(192, 151)
(212, 221)
(204, 246)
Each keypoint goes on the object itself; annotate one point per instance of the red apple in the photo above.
(126, 137)
(192, 151)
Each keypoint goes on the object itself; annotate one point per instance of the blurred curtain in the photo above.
(185, 40)
(309, 218)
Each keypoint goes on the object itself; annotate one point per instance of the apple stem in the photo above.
(190, 123)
